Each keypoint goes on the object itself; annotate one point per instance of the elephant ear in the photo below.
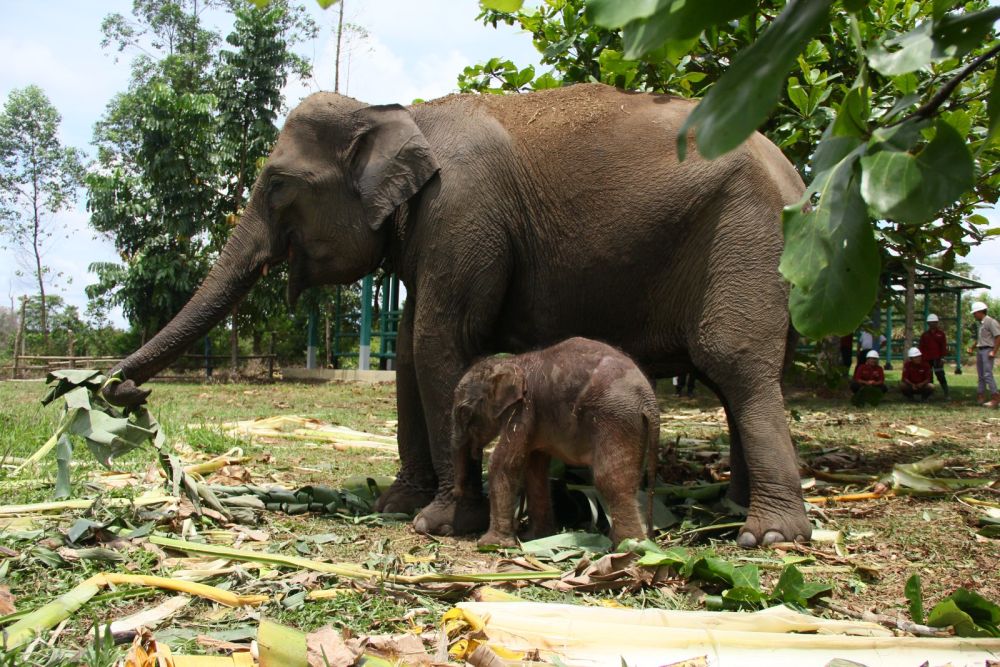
(391, 162)
(507, 387)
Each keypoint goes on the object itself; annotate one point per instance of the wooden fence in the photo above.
(26, 366)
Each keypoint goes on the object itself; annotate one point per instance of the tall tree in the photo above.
(248, 82)
(169, 191)
(889, 109)
(39, 178)
(156, 185)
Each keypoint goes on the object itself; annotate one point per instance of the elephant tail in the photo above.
(791, 342)
(651, 416)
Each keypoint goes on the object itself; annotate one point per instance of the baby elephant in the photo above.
(583, 402)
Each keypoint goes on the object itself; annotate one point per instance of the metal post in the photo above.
(270, 356)
(208, 356)
(312, 336)
(383, 325)
(365, 352)
(958, 332)
(927, 302)
(394, 307)
(337, 316)
(888, 337)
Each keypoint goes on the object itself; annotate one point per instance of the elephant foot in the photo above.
(767, 527)
(403, 497)
(447, 515)
(495, 539)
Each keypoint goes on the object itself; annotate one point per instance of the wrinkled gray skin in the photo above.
(581, 401)
(515, 222)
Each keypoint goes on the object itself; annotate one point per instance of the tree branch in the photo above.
(940, 97)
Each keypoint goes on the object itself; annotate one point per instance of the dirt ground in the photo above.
(882, 540)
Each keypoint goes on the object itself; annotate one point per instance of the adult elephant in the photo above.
(514, 222)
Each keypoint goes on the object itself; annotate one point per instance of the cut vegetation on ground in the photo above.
(266, 528)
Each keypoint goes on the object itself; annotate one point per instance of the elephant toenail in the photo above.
(772, 536)
(747, 540)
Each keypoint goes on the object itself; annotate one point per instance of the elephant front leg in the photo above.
(507, 476)
(416, 482)
(448, 514)
(776, 511)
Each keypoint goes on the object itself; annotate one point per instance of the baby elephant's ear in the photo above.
(507, 387)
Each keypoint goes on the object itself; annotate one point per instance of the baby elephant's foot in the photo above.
(495, 539)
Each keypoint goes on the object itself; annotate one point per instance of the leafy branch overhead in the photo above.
(888, 109)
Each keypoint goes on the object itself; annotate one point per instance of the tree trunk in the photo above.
(19, 340)
(35, 241)
(911, 275)
(234, 346)
(340, 32)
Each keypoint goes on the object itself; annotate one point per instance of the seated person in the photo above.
(917, 376)
(869, 374)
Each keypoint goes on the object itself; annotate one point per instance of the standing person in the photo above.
(869, 374)
(917, 376)
(867, 342)
(934, 348)
(987, 344)
(685, 379)
(846, 343)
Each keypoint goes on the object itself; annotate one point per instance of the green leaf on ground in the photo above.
(748, 92)
(566, 545)
(916, 599)
(970, 614)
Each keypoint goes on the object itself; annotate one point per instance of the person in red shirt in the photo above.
(869, 374)
(934, 348)
(916, 376)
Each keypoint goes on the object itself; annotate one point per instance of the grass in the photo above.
(934, 537)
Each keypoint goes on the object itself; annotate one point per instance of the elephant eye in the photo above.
(280, 192)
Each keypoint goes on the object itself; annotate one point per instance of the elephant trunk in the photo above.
(239, 266)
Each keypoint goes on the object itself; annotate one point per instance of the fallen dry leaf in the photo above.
(327, 648)
(6, 601)
(406, 648)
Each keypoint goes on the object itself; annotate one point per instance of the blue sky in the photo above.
(414, 49)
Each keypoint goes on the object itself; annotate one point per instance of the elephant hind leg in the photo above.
(617, 465)
(763, 459)
(765, 454)
(541, 520)
(739, 476)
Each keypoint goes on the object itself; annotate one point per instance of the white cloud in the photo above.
(415, 50)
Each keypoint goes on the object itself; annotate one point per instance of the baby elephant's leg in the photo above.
(539, 499)
(507, 471)
(617, 473)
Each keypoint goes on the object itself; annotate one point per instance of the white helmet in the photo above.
(932, 318)
(872, 354)
(977, 306)
(914, 352)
